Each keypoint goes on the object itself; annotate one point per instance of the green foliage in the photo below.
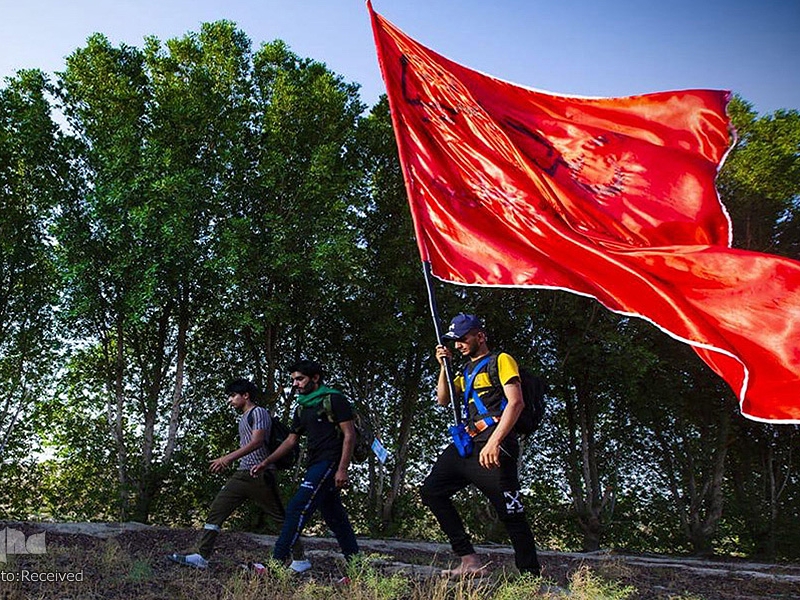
(760, 182)
(215, 211)
(33, 176)
(19, 477)
(172, 142)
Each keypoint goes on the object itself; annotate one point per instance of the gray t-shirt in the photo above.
(255, 418)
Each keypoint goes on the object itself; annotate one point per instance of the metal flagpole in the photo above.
(448, 370)
(461, 438)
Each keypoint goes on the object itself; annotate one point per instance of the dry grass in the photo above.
(134, 566)
(131, 563)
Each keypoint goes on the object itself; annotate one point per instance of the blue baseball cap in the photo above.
(461, 325)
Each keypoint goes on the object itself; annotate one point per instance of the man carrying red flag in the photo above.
(493, 410)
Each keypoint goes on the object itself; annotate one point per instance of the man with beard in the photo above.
(493, 405)
(330, 442)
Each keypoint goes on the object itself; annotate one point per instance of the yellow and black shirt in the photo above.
(489, 393)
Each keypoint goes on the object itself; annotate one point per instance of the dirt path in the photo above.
(652, 576)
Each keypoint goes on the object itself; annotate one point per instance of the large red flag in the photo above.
(612, 198)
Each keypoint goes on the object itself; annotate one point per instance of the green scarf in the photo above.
(315, 398)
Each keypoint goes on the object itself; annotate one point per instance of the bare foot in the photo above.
(470, 567)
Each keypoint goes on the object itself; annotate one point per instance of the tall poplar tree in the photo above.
(33, 180)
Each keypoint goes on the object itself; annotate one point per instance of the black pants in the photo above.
(318, 490)
(451, 473)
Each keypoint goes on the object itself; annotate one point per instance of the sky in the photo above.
(574, 47)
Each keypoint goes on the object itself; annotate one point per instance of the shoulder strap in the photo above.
(250, 417)
(469, 380)
(327, 407)
(494, 375)
(493, 371)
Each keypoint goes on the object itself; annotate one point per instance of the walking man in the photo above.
(325, 417)
(493, 409)
(254, 428)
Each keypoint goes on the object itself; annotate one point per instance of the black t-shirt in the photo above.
(324, 437)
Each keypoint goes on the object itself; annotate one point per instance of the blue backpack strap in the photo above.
(471, 394)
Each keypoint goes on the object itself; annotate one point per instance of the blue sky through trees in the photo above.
(578, 47)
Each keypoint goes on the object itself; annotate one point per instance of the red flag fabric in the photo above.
(612, 198)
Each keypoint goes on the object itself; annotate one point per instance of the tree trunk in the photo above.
(588, 499)
(149, 480)
(117, 413)
(707, 523)
(399, 472)
(409, 409)
(177, 392)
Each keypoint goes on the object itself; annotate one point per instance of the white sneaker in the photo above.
(189, 560)
(300, 566)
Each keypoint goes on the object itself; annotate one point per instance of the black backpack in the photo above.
(533, 396)
(278, 432)
(364, 433)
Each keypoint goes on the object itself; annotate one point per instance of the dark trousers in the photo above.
(262, 490)
(318, 490)
(452, 472)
